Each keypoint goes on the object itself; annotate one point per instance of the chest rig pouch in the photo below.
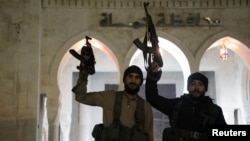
(118, 132)
(174, 134)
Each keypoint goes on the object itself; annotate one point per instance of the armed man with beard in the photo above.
(191, 114)
(132, 79)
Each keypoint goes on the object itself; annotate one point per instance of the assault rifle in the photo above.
(86, 57)
(150, 54)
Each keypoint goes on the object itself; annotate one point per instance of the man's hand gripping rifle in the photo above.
(86, 57)
(151, 54)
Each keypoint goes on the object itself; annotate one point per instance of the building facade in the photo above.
(37, 68)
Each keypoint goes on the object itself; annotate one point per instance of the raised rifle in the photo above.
(86, 57)
(150, 54)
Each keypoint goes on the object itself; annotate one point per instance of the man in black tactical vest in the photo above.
(191, 114)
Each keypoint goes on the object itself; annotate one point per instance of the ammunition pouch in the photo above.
(118, 133)
(169, 135)
(172, 134)
(138, 135)
(97, 132)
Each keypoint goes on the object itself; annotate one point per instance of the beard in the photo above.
(133, 90)
(196, 95)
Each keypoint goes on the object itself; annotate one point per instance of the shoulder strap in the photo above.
(117, 106)
(175, 114)
(139, 114)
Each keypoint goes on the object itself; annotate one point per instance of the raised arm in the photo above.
(159, 102)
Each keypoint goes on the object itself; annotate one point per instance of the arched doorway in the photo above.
(77, 120)
(228, 77)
